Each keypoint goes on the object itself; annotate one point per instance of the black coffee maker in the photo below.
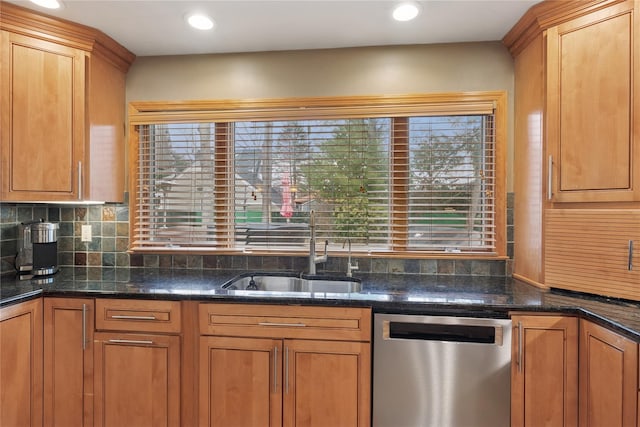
(38, 252)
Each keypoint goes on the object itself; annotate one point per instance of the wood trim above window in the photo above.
(312, 108)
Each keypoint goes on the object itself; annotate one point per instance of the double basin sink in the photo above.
(291, 282)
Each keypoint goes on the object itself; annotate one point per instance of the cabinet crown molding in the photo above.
(24, 21)
(547, 14)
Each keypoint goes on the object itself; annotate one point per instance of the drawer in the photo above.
(138, 315)
(282, 321)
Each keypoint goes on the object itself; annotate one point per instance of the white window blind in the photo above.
(175, 190)
(337, 168)
(412, 183)
(452, 183)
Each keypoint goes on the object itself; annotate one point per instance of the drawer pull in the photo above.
(131, 342)
(295, 325)
(550, 178)
(275, 369)
(84, 326)
(125, 317)
(520, 345)
(286, 370)
(630, 259)
(80, 186)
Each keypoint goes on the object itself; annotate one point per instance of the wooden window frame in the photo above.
(155, 112)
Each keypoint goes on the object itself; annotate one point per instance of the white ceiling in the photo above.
(149, 28)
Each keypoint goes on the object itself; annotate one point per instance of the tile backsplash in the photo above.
(110, 240)
(109, 228)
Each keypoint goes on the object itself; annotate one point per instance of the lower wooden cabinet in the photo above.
(240, 382)
(102, 367)
(326, 383)
(68, 362)
(21, 364)
(544, 380)
(284, 369)
(271, 382)
(608, 377)
(137, 380)
(568, 371)
(137, 363)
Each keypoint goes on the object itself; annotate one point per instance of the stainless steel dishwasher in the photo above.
(441, 371)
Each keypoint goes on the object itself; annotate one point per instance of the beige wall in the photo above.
(329, 72)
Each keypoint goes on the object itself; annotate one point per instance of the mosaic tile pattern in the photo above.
(110, 240)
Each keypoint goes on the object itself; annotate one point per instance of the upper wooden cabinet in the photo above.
(42, 96)
(592, 125)
(577, 144)
(63, 108)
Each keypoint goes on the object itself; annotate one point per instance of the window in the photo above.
(411, 175)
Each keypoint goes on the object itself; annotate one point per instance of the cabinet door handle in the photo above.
(295, 325)
(286, 370)
(520, 334)
(125, 317)
(146, 342)
(550, 178)
(84, 326)
(80, 181)
(630, 259)
(275, 369)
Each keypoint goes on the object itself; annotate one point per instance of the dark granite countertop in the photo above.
(390, 293)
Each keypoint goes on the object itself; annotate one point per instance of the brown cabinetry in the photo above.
(240, 381)
(137, 363)
(608, 377)
(326, 383)
(568, 371)
(42, 112)
(63, 104)
(544, 371)
(274, 365)
(68, 362)
(21, 364)
(593, 126)
(594, 250)
(577, 145)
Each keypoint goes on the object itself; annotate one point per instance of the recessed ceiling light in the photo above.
(406, 11)
(200, 21)
(49, 4)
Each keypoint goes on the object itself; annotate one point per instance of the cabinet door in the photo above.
(21, 364)
(327, 383)
(42, 119)
(608, 377)
(137, 380)
(591, 97)
(68, 362)
(544, 371)
(240, 382)
(593, 250)
(104, 175)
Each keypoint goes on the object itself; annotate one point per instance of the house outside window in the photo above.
(411, 175)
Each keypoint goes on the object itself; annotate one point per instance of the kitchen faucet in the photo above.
(313, 259)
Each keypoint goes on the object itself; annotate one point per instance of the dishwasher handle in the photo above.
(461, 333)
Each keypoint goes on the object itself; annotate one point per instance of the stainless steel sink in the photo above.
(293, 283)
